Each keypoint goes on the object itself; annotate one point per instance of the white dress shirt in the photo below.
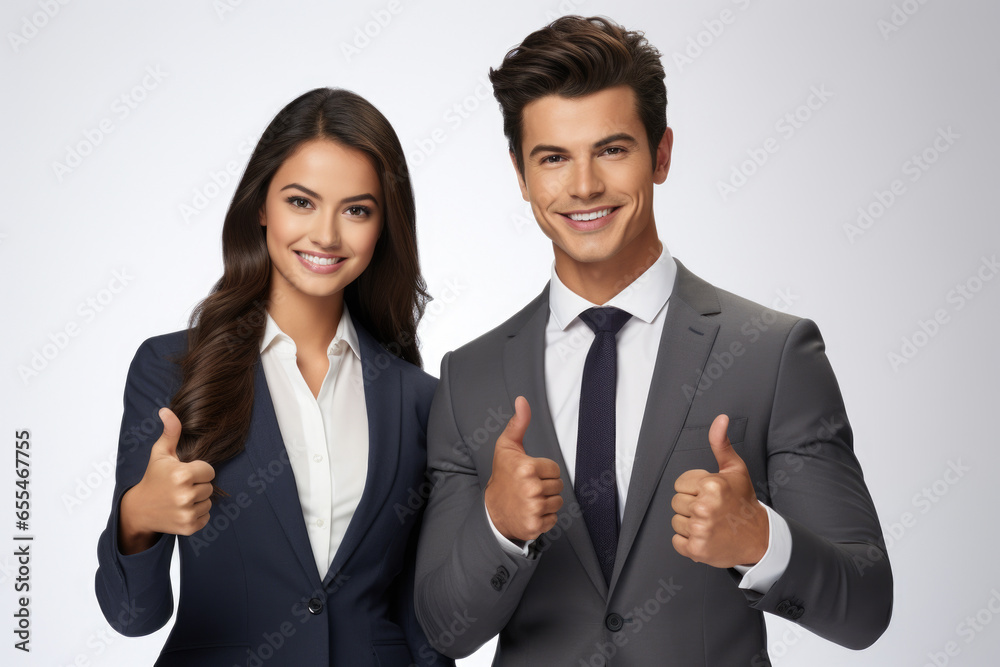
(567, 342)
(326, 436)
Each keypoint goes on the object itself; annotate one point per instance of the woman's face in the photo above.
(323, 215)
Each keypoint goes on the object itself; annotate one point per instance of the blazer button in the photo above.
(315, 606)
(796, 613)
(782, 607)
(614, 622)
(495, 582)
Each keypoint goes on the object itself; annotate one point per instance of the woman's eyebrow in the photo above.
(366, 196)
(304, 189)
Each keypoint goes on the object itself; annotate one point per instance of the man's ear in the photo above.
(520, 177)
(663, 151)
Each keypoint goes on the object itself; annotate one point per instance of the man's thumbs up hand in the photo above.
(718, 520)
(172, 497)
(522, 496)
(727, 458)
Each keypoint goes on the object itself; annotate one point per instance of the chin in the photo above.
(588, 253)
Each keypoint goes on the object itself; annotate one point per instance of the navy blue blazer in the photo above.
(250, 593)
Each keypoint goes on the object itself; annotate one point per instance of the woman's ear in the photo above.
(262, 218)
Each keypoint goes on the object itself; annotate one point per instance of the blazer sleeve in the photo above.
(134, 591)
(838, 583)
(467, 586)
(423, 654)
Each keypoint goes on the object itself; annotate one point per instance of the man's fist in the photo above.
(718, 520)
(522, 496)
(172, 497)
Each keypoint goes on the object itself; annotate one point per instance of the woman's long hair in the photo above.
(216, 395)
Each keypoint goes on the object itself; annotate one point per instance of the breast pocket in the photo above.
(696, 437)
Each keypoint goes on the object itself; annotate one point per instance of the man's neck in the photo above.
(599, 282)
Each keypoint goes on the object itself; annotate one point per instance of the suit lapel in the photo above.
(686, 342)
(383, 396)
(382, 399)
(524, 375)
(268, 455)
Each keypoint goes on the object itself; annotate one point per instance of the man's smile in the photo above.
(591, 219)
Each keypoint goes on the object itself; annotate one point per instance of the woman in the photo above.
(294, 440)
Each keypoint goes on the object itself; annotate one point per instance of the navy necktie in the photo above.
(594, 481)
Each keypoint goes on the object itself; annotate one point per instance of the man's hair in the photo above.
(575, 56)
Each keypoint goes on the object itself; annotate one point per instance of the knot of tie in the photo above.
(605, 320)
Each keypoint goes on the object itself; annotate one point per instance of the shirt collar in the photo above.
(643, 298)
(273, 335)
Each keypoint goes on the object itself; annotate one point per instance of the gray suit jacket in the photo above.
(719, 353)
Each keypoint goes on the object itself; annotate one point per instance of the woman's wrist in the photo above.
(132, 538)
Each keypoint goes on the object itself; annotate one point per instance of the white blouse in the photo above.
(326, 437)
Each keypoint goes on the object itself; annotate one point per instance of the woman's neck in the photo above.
(310, 321)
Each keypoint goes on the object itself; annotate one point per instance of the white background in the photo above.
(227, 68)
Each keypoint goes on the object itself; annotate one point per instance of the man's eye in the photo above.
(552, 159)
(614, 150)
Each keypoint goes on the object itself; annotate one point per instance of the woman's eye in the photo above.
(298, 202)
(358, 210)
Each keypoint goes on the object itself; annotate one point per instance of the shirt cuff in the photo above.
(761, 577)
(505, 544)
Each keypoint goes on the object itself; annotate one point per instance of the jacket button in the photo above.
(783, 606)
(796, 613)
(315, 606)
(614, 622)
(495, 582)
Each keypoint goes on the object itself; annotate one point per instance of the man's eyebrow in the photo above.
(621, 136)
(548, 148)
(304, 189)
(545, 148)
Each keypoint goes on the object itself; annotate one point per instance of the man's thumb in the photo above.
(518, 424)
(725, 455)
(167, 443)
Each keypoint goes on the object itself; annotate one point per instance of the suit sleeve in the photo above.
(467, 586)
(838, 583)
(421, 651)
(134, 591)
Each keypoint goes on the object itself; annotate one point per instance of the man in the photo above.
(678, 460)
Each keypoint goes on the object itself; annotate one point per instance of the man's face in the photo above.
(589, 176)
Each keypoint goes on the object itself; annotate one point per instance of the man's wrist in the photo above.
(510, 546)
